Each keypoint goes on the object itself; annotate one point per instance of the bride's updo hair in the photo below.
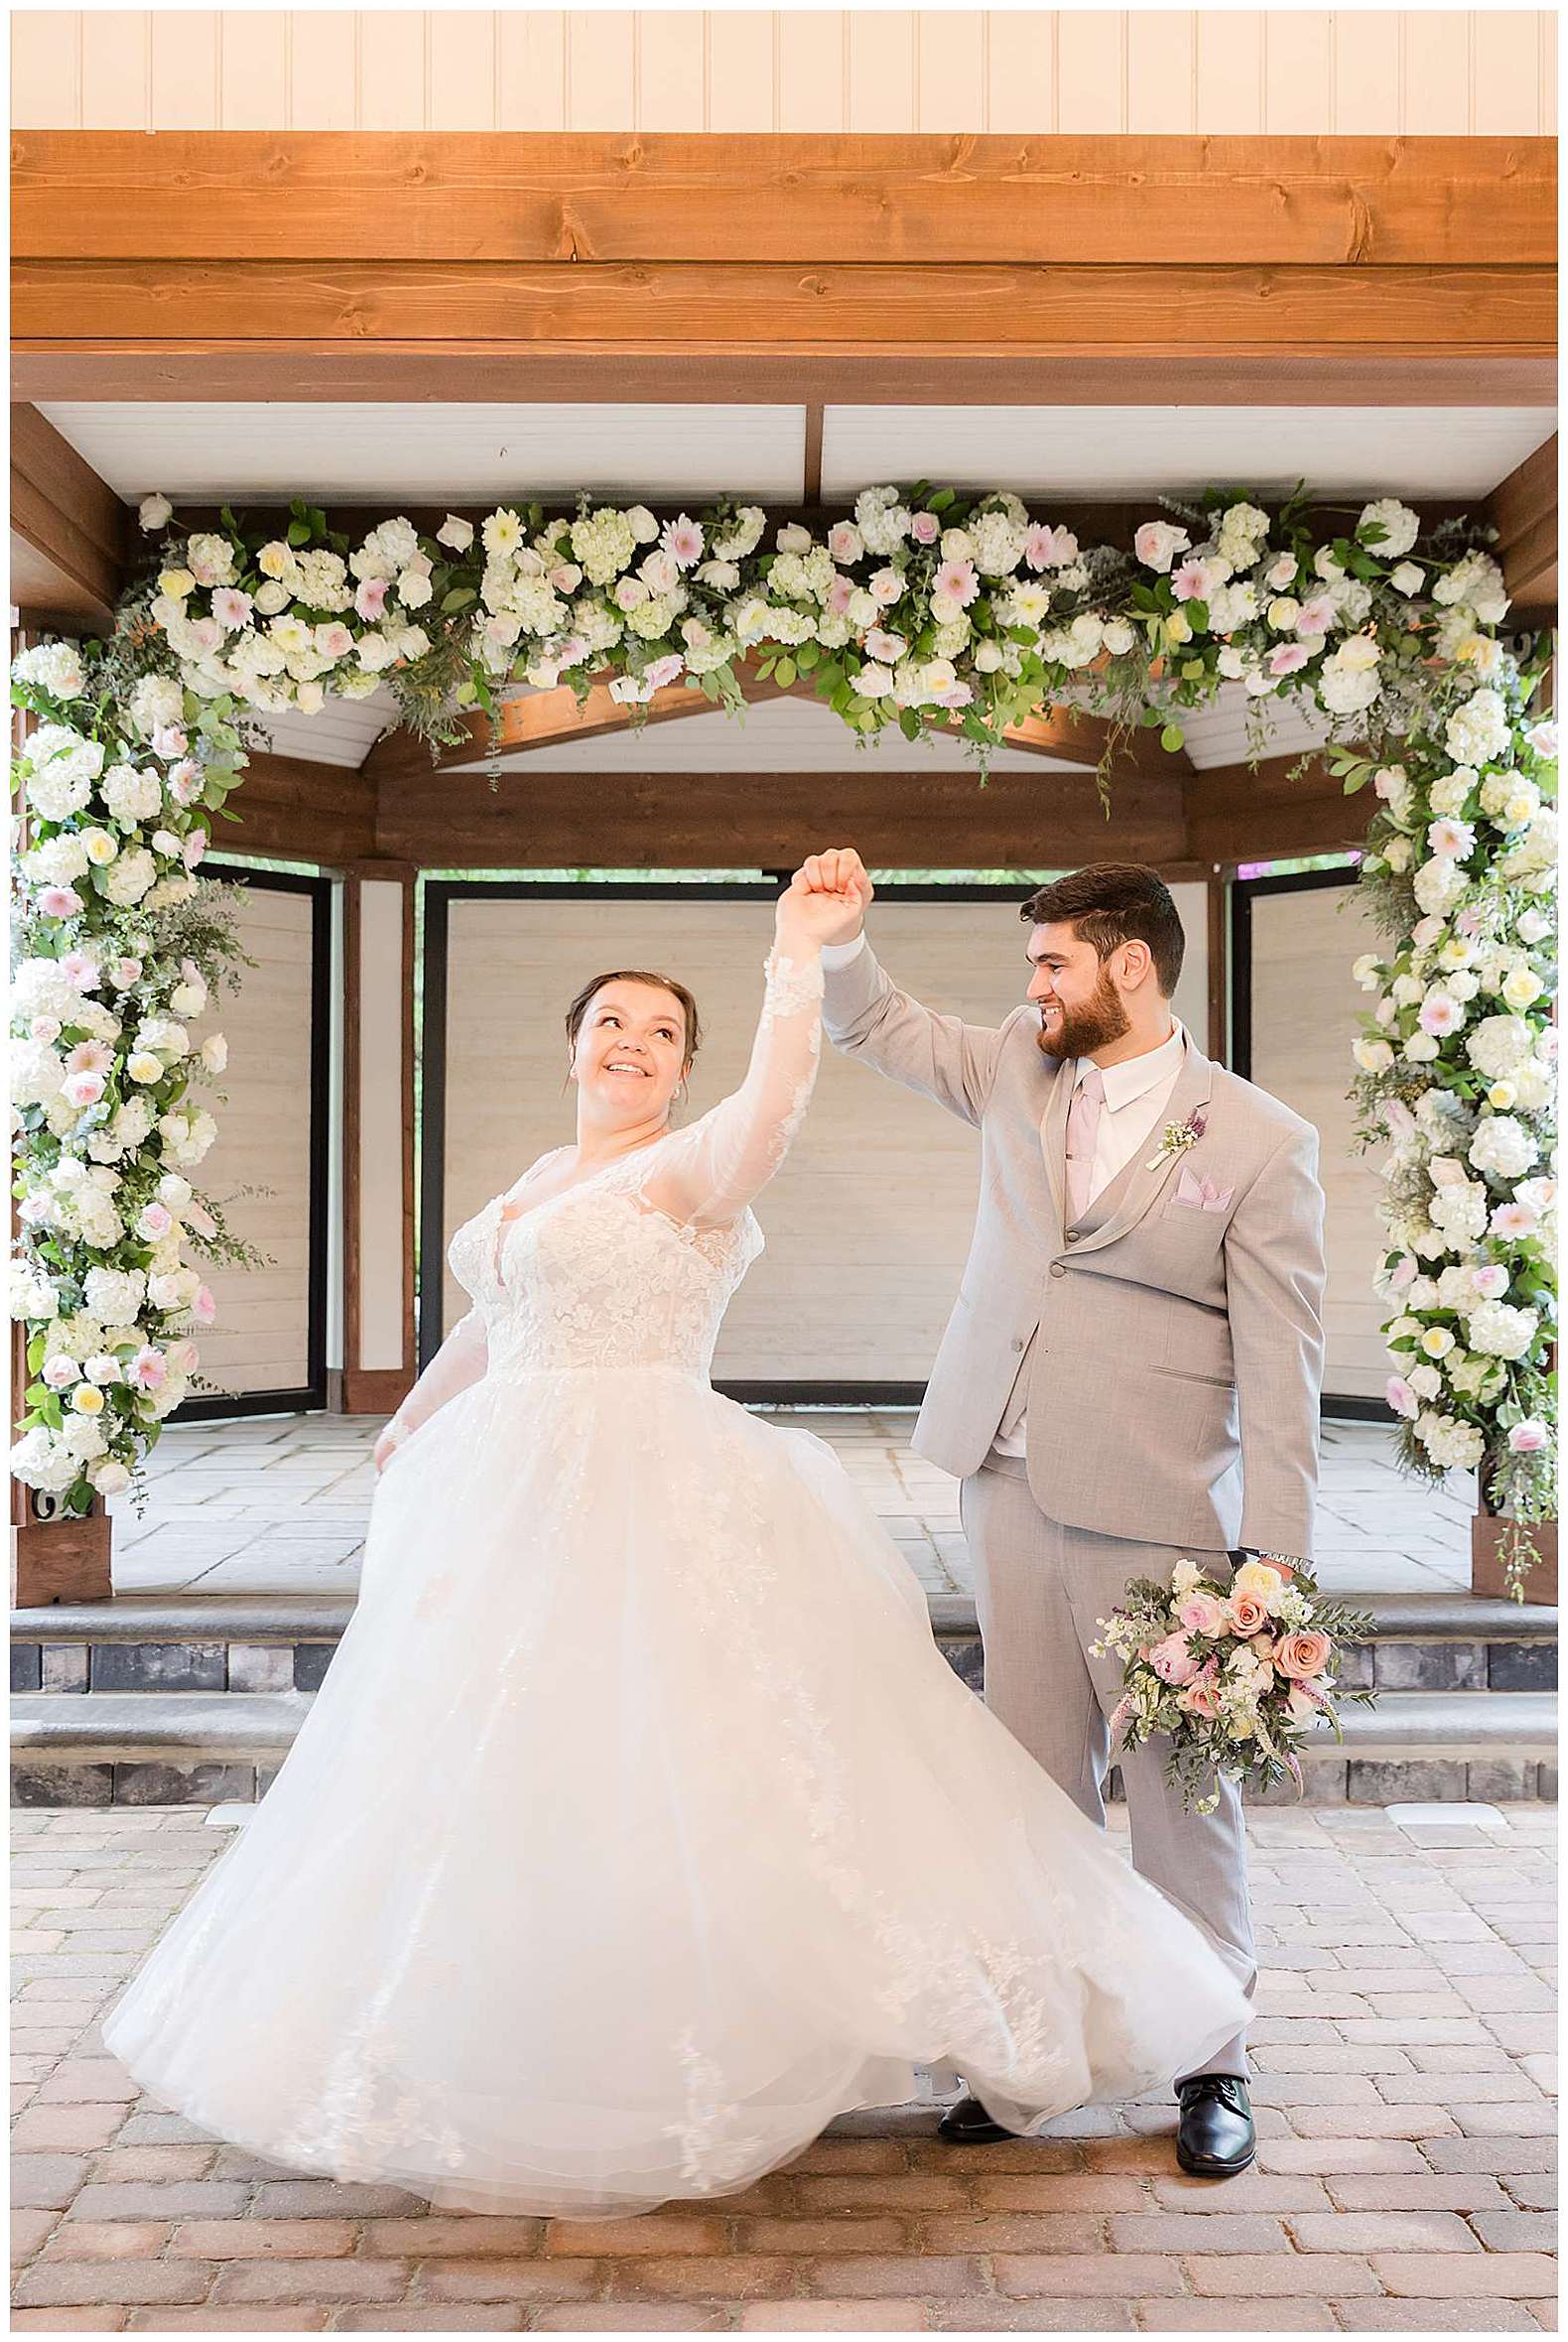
(638, 976)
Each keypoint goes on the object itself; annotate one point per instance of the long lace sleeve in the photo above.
(707, 1175)
(462, 1358)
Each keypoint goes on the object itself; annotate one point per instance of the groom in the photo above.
(1131, 1370)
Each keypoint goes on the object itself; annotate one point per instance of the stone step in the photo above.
(255, 1643)
(195, 1747)
(1428, 1643)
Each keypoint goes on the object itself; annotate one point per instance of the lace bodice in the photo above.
(600, 1277)
(635, 1266)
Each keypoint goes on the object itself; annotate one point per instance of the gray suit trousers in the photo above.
(1041, 1590)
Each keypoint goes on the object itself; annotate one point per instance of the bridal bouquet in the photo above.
(1236, 1676)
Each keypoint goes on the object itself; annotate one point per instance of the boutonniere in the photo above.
(1178, 1137)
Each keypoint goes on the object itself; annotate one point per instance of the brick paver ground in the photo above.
(1403, 2056)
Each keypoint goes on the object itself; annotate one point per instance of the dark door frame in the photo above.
(310, 1396)
(1344, 1406)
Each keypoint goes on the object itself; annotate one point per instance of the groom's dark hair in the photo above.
(1111, 903)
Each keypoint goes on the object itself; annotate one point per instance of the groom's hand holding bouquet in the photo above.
(1234, 1676)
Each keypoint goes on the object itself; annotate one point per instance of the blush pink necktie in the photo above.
(1083, 1125)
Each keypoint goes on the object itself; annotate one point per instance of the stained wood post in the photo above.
(379, 1366)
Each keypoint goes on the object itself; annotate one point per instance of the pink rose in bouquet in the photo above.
(1202, 1614)
(1247, 1614)
(1201, 1696)
(1172, 1660)
(1304, 1655)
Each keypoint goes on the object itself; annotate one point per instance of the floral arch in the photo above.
(921, 608)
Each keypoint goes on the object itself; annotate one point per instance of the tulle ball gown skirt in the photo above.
(638, 1829)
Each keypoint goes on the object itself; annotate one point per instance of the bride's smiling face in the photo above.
(630, 1052)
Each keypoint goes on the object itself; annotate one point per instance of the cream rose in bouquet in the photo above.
(1233, 1676)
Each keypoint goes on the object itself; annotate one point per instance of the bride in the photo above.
(639, 1825)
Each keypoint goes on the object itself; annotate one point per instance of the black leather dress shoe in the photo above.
(969, 2125)
(1214, 2138)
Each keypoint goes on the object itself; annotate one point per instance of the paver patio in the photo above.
(277, 1504)
(1403, 2056)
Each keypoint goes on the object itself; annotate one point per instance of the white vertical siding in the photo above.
(1151, 71)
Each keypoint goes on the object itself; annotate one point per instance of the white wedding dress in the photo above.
(639, 1825)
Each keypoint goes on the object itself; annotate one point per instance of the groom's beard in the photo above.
(1084, 1030)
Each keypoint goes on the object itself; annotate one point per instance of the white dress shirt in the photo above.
(1137, 1092)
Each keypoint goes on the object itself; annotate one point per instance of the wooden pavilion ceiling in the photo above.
(813, 272)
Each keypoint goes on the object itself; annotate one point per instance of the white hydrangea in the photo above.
(130, 877)
(131, 795)
(114, 1294)
(33, 1295)
(883, 522)
(1460, 1210)
(53, 666)
(1439, 884)
(1499, 1330)
(1450, 792)
(38, 1461)
(603, 544)
(1499, 1046)
(41, 987)
(1452, 1445)
(1503, 1148)
(1454, 1289)
(998, 543)
(37, 1072)
(156, 700)
(56, 861)
(58, 789)
(1478, 730)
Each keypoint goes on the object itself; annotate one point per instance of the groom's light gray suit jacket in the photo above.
(1175, 1352)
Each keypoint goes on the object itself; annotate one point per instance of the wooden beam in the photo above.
(770, 821)
(70, 533)
(811, 468)
(291, 807)
(809, 270)
(1071, 734)
(588, 197)
(1135, 312)
(1240, 812)
(396, 369)
(1523, 510)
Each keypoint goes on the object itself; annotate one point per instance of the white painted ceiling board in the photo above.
(1131, 452)
(1218, 733)
(425, 453)
(342, 732)
(774, 735)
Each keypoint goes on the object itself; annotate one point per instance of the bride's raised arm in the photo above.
(707, 1175)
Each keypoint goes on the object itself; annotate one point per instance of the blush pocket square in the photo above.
(1201, 1193)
